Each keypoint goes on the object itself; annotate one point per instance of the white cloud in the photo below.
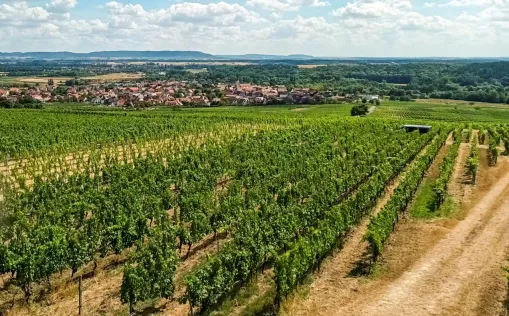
(417, 22)
(220, 13)
(285, 5)
(467, 18)
(466, 3)
(20, 11)
(61, 6)
(373, 9)
(191, 12)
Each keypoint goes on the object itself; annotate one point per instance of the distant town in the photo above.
(172, 93)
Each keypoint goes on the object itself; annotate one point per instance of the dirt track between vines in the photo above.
(437, 267)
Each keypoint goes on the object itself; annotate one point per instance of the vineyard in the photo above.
(196, 205)
(424, 112)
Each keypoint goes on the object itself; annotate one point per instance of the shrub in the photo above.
(359, 110)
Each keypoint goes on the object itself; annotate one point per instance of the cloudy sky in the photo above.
(342, 28)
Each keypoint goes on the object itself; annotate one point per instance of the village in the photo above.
(171, 93)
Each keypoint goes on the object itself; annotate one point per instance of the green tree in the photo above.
(359, 110)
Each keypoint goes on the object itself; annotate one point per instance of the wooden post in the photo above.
(80, 297)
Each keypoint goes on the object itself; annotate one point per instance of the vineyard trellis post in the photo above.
(80, 296)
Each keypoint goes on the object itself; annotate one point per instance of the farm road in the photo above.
(457, 275)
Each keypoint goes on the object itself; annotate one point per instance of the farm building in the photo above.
(421, 128)
(369, 97)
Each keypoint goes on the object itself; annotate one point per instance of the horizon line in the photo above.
(264, 54)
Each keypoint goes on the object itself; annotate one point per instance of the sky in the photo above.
(333, 28)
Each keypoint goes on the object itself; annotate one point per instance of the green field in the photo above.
(7, 80)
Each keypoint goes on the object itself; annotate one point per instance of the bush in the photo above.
(4, 103)
(359, 110)
(472, 163)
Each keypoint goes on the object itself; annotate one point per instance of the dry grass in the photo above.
(42, 80)
(117, 76)
(186, 63)
(309, 66)
(197, 71)
(300, 109)
(460, 103)
(60, 80)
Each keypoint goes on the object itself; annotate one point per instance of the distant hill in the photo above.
(152, 54)
(196, 55)
(112, 54)
(265, 57)
(129, 54)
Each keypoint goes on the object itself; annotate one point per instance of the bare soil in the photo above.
(439, 267)
(459, 102)
(107, 77)
(310, 66)
(187, 63)
(458, 190)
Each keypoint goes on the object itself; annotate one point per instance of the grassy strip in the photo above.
(433, 192)
(446, 169)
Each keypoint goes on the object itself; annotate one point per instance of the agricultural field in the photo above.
(309, 66)
(197, 71)
(113, 77)
(6, 80)
(185, 63)
(441, 110)
(254, 210)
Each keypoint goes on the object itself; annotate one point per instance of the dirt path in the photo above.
(457, 275)
(439, 267)
(457, 189)
(338, 276)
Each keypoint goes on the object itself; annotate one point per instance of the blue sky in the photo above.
(463, 28)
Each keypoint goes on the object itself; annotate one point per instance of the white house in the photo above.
(370, 97)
